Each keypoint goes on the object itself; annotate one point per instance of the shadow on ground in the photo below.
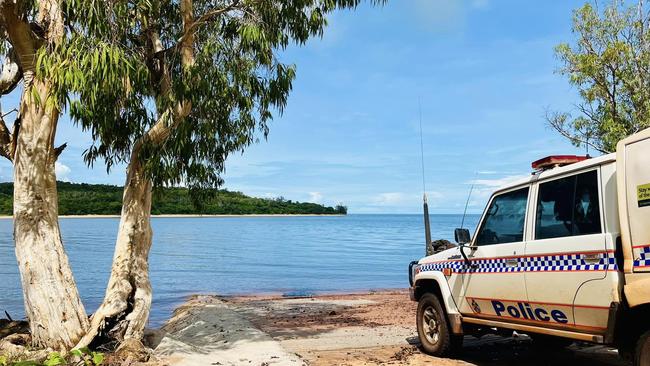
(498, 351)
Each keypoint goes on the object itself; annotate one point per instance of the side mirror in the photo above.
(462, 236)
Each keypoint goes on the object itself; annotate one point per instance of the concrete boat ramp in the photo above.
(362, 329)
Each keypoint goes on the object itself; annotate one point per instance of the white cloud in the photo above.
(498, 182)
(62, 172)
(315, 197)
(389, 198)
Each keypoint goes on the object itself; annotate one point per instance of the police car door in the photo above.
(494, 278)
(567, 252)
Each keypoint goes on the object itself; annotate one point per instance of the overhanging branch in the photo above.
(10, 75)
(8, 139)
(205, 18)
(20, 36)
(59, 150)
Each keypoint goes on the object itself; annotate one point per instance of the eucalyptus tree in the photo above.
(56, 315)
(609, 63)
(171, 89)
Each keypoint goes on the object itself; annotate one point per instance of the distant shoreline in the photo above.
(185, 216)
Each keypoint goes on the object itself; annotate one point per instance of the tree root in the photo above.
(14, 348)
(122, 316)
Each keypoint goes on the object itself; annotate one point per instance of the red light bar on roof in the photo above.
(553, 161)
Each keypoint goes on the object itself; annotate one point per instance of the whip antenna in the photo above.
(425, 205)
(468, 197)
(424, 185)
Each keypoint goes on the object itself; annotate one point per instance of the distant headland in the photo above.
(81, 199)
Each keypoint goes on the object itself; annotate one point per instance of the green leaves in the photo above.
(54, 359)
(120, 70)
(85, 357)
(609, 64)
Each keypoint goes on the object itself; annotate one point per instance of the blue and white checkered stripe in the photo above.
(547, 263)
(643, 258)
(570, 262)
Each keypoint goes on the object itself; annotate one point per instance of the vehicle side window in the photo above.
(568, 207)
(504, 220)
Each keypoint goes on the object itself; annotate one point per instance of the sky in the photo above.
(482, 73)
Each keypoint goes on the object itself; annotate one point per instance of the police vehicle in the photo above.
(563, 255)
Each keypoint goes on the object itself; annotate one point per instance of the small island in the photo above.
(102, 199)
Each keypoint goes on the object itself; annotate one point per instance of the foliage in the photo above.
(96, 199)
(609, 64)
(123, 70)
(77, 357)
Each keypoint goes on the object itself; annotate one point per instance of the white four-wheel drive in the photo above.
(562, 255)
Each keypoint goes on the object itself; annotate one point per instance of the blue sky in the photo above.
(484, 71)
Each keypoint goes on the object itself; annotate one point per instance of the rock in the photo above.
(132, 350)
(442, 244)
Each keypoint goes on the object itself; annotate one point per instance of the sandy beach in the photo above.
(373, 328)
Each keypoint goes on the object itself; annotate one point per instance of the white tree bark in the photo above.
(56, 315)
(125, 310)
(53, 307)
(127, 303)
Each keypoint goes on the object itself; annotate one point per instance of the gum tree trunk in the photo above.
(125, 310)
(56, 315)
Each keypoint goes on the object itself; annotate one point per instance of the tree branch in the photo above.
(10, 75)
(20, 36)
(8, 139)
(5, 139)
(557, 123)
(59, 150)
(190, 28)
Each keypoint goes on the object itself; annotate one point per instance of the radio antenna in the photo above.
(424, 185)
(425, 205)
(468, 197)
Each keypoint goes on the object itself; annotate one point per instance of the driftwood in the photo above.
(10, 327)
(15, 340)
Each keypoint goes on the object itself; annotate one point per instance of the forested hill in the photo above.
(100, 199)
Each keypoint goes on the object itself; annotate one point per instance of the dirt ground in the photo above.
(376, 328)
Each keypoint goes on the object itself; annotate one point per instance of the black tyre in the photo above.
(642, 350)
(434, 330)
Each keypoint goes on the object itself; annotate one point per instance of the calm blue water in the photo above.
(291, 255)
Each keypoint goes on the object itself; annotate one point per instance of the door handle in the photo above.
(591, 258)
(512, 263)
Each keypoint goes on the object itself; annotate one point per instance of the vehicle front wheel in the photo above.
(642, 350)
(433, 328)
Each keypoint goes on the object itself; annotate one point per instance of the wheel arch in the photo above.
(435, 282)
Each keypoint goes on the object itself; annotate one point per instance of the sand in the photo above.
(375, 328)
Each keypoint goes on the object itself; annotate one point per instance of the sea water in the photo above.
(289, 255)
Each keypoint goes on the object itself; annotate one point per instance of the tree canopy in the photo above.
(121, 72)
(609, 64)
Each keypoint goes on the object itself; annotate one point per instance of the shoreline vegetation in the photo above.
(101, 200)
(187, 216)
